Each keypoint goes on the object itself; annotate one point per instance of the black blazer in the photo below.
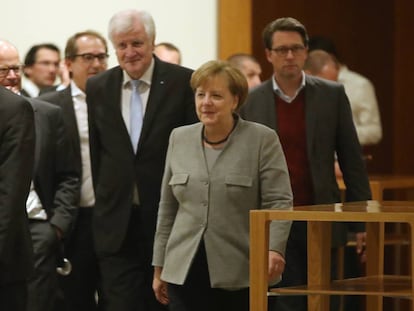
(329, 130)
(64, 100)
(17, 139)
(115, 167)
(55, 178)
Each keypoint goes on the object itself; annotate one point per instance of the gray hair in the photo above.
(123, 22)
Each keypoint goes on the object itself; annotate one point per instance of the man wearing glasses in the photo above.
(314, 121)
(51, 204)
(86, 55)
(16, 165)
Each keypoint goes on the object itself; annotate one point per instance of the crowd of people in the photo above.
(141, 177)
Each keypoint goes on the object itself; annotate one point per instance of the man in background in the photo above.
(249, 67)
(168, 52)
(86, 55)
(322, 64)
(361, 94)
(16, 166)
(41, 69)
(51, 204)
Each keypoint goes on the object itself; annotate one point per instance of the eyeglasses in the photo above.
(89, 57)
(17, 69)
(284, 50)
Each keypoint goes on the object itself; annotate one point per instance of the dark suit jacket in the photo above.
(329, 129)
(55, 178)
(64, 100)
(115, 167)
(17, 139)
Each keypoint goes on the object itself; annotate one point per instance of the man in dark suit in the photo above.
(85, 56)
(16, 165)
(127, 183)
(313, 120)
(54, 191)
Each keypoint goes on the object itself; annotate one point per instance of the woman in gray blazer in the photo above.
(216, 172)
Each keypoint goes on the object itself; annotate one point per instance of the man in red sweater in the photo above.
(314, 121)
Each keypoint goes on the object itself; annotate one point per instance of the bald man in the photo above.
(322, 64)
(249, 67)
(54, 190)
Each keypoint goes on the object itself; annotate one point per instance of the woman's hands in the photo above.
(160, 287)
(276, 266)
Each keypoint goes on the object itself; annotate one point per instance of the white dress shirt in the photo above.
(87, 196)
(34, 207)
(364, 106)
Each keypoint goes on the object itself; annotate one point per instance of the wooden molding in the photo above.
(234, 28)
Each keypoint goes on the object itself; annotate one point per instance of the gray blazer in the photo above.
(250, 173)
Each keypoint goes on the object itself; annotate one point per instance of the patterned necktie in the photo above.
(136, 114)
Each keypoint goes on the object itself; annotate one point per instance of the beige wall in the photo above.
(190, 24)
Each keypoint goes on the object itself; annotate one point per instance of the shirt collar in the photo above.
(76, 91)
(285, 97)
(31, 88)
(146, 77)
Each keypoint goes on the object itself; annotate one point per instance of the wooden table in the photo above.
(396, 237)
(319, 217)
(379, 183)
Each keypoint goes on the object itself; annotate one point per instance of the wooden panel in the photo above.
(383, 285)
(403, 85)
(318, 259)
(258, 254)
(234, 27)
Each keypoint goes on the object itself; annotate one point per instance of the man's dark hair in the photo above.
(30, 58)
(284, 24)
(323, 43)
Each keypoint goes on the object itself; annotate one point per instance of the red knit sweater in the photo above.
(291, 128)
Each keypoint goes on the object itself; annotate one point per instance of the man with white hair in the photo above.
(132, 108)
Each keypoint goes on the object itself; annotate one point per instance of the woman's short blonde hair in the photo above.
(236, 80)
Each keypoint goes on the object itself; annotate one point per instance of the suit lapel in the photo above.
(157, 91)
(70, 116)
(311, 112)
(269, 97)
(38, 133)
(114, 105)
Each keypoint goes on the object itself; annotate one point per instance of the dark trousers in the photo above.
(296, 271)
(196, 293)
(43, 284)
(127, 275)
(13, 296)
(78, 289)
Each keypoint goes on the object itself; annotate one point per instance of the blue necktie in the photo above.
(136, 114)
